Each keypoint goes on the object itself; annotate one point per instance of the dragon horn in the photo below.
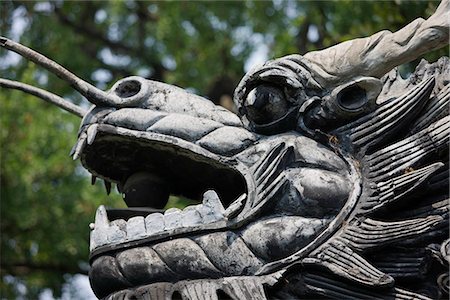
(92, 94)
(378, 54)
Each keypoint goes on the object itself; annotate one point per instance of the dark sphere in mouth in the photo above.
(143, 189)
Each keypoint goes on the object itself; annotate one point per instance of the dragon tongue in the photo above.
(212, 200)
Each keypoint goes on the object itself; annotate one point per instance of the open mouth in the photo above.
(184, 172)
(148, 167)
(149, 154)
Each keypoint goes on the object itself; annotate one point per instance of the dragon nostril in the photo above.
(129, 92)
(128, 88)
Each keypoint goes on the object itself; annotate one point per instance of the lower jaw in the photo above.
(212, 256)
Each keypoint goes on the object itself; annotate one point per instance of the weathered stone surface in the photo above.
(134, 118)
(106, 276)
(186, 258)
(142, 265)
(117, 232)
(154, 223)
(282, 236)
(229, 253)
(220, 141)
(186, 127)
(136, 227)
(172, 218)
(334, 157)
(190, 216)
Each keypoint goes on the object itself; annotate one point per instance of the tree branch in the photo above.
(302, 37)
(138, 52)
(91, 32)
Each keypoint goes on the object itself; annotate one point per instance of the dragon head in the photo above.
(290, 188)
(259, 198)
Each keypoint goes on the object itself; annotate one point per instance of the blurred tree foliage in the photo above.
(46, 198)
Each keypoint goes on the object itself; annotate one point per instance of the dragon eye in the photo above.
(265, 104)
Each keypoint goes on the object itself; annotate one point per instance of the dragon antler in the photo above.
(361, 57)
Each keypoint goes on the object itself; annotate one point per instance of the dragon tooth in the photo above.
(72, 151)
(154, 223)
(99, 233)
(107, 186)
(120, 223)
(101, 218)
(116, 232)
(79, 146)
(97, 238)
(171, 211)
(136, 227)
(172, 218)
(91, 133)
(92, 226)
(209, 215)
(212, 200)
(190, 216)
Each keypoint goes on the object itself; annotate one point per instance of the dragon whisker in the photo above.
(44, 95)
(93, 94)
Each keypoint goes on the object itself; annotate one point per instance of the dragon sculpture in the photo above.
(332, 181)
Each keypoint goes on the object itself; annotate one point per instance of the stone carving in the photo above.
(332, 183)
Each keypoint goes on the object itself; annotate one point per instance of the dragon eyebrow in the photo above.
(93, 94)
(44, 95)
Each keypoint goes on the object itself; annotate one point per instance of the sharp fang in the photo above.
(72, 151)
(101, 218)
(93, 179)
(107, 186)
(235, 206)
(91, 133)
(212, 200)
(80, 145)
(101, 225)
(92, 226)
